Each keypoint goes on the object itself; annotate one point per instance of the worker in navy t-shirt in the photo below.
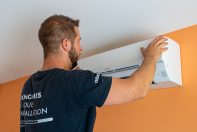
(60, 97)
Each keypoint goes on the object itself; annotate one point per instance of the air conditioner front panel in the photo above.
(114, 62)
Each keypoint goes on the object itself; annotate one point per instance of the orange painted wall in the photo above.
(9, 105)
(164, 110)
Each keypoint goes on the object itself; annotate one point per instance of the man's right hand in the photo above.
(155, 48)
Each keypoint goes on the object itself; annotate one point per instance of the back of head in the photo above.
(53, 30)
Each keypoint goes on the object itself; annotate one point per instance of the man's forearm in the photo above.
(143, 77)
(148, 68)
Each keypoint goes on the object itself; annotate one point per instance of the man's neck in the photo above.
(55, 62)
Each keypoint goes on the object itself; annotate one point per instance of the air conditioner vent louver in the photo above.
(120, 69)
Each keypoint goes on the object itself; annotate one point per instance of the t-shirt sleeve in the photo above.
(93, 88)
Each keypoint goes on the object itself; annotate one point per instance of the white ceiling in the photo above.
(104, 25)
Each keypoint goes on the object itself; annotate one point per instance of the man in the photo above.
(60, 99)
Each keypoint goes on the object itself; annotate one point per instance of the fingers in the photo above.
(160, 41)
(161, 45)
(157, 38)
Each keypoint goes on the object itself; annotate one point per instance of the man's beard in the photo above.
(73, 57)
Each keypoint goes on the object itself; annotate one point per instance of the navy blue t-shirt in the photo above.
(57, 100)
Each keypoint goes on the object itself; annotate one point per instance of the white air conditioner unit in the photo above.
(123, 61)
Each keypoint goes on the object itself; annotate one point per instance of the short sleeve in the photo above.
(93, 88)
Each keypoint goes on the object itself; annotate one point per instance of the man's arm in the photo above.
(137, 85)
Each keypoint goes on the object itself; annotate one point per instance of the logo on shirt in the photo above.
(31, 96)
(97, 77)
(28, 110)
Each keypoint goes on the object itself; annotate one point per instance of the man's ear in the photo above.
(66, 44)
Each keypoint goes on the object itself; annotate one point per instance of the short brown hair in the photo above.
(53, 30)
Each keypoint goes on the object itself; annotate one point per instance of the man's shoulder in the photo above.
(77, 72)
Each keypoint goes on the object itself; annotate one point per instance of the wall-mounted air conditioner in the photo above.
(123, 61)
